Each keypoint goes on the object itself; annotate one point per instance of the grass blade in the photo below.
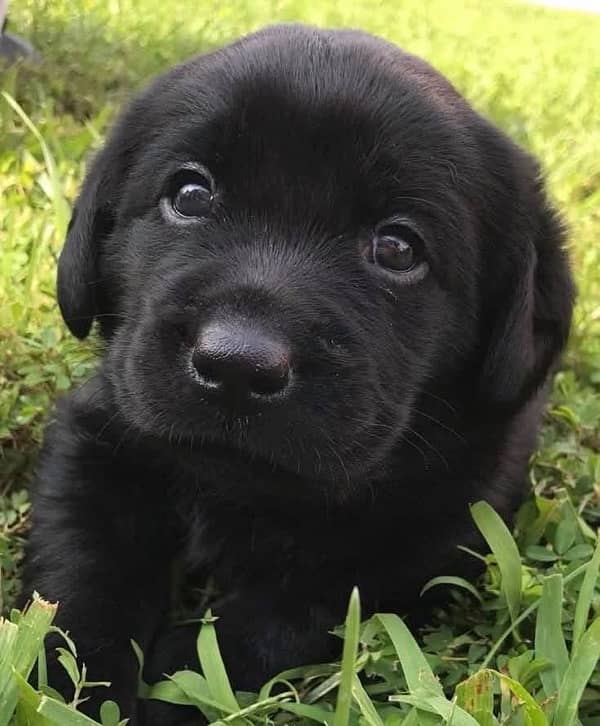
(20, 644)
(549, 640)
(505, 550)
(438, 705)
(323, 688)
(304, 672)
(452, 581)
(420, 718)
(62, 210)
(8, 637)
(62, 714)
(55, 711)
(32, 628)
(169, 692)
(523, 617)
(417, 671)
(578, 673)
(313, 713)
(195, 687)
(351, 637)
(476, 696)
(532, 709)
(586, 595)
(213, 666)
(365, 704)
(27, 714)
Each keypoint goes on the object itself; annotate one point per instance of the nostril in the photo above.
(238, 361)
(207, 369)
(270, 380)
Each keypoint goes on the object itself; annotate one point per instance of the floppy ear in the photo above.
(529, 315)
(82, 291)
(77, 278)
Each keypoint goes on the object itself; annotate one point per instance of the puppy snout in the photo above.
(235, 361)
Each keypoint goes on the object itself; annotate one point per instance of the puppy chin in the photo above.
(337, 448)
(253, 459)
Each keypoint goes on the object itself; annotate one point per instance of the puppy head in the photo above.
(289, 242)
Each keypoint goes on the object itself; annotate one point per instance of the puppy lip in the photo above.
(223, 450)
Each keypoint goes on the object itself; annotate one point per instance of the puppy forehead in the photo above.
(328, 136)
(302, 90)
(335, 68)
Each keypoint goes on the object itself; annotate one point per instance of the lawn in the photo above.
(536, 72)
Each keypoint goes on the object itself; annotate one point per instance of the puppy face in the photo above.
(290, 243)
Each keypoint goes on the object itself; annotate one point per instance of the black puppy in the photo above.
(331, 295)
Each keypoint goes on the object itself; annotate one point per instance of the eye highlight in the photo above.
(393, 252)
(397, 249)
(189, 194)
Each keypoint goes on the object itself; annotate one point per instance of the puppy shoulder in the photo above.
(88, 458)
(82, 418)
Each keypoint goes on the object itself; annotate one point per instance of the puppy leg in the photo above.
(256, 641)
(262, 634)
(174, 649)
(258, 635)
(99, 546)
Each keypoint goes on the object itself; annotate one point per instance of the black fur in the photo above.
(409, 402)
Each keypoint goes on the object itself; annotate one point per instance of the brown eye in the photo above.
(193, 199)
(393, 253)
(190, 193)
(396, 249)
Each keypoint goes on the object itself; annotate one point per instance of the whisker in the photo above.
(106, 425)
(431, 446)
(336, 454)
(417, 448)
(122, 439)
(440, 399)
(440, 423)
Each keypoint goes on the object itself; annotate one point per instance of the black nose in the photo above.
(233, 359)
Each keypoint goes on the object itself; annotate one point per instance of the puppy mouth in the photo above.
(242, 393)
(223, 450)
(232, 468)
(262, 452)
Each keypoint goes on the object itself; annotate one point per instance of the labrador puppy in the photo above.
(331, 296)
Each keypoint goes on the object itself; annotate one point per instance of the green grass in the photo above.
(524, 646)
